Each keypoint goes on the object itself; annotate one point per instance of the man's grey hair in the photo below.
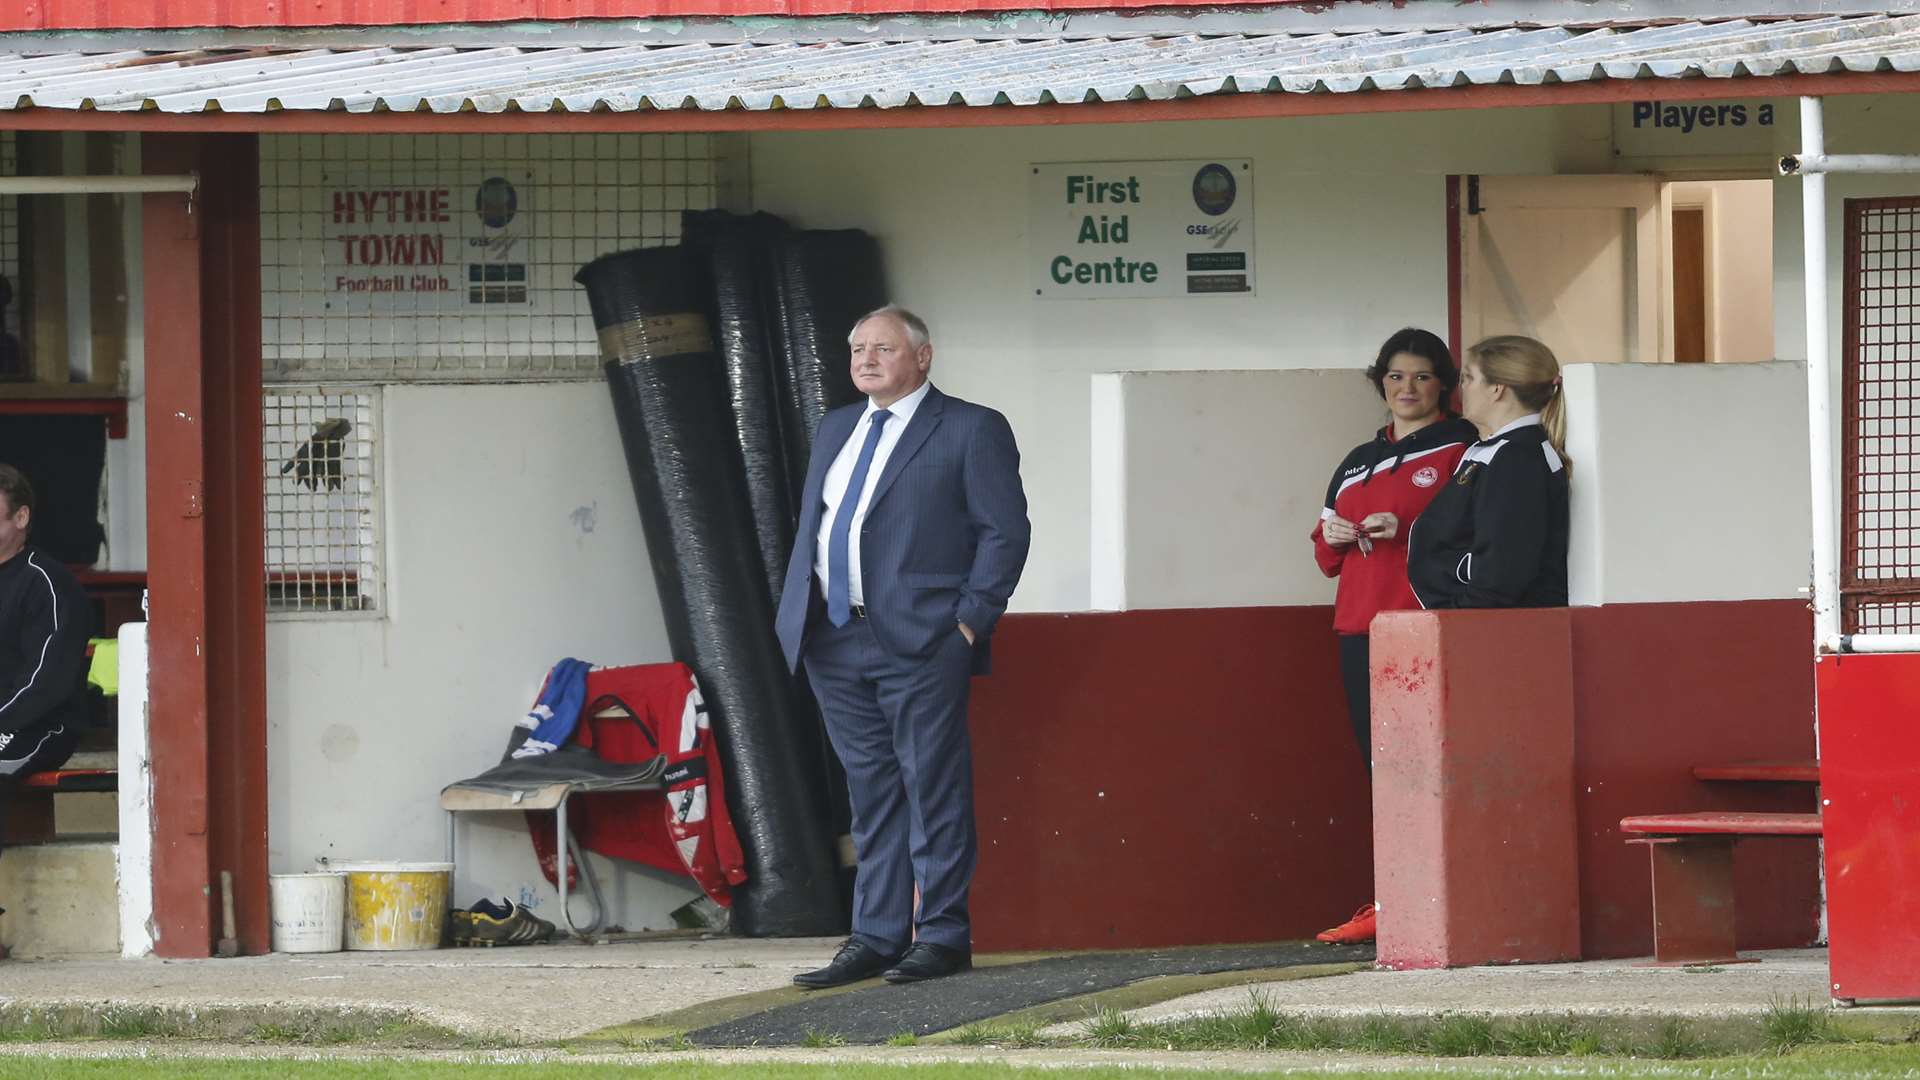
(917, 334)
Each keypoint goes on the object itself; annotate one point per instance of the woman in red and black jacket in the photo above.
(1378, 490)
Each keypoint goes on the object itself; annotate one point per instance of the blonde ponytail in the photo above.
(1531, 370)
(1553, 417)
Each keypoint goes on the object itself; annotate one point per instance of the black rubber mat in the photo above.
(877, 1013)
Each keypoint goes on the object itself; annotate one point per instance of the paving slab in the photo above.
(524, 993)
(1595, 988)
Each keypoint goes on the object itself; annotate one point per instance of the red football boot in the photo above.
(1353, 931)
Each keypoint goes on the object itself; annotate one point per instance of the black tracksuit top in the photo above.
(44, 622)
(1496, 534)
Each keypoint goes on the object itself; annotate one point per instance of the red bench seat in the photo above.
(26, 808)
(1731, 823)
(1692, 860)
(74, 780)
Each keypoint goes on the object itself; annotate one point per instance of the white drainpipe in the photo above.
(97, 185)
(1826, 517)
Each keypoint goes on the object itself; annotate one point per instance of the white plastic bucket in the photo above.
(393, 906)
(309, 911)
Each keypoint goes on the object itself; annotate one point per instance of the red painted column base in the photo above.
(1473, 796)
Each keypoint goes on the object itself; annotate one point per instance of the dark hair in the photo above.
(14, 485)
(1426, 346)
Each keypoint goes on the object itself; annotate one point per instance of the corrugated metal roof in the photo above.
(94, 14)
(847, 74)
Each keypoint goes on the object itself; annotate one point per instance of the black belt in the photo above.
(859, 610)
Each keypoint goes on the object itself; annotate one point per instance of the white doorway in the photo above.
(1629, 268)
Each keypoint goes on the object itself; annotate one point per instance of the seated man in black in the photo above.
(44, 622)
(13, 360)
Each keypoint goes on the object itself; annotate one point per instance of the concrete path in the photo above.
(544, 993)
(1148, 1062)
(529, 992)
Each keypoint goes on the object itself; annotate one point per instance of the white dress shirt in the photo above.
(834, 488)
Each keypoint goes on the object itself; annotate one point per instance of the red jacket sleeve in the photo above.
(1329, 557)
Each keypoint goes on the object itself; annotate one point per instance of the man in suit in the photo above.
(913, 532)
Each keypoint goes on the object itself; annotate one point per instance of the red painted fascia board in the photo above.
(185, 14)
(114, 409)
(1246, 106)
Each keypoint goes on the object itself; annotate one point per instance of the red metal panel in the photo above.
(155, 14)
(1474, 855)
(1154, 778)
(1870, 780)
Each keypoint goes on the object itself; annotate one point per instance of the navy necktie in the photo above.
(839, 602)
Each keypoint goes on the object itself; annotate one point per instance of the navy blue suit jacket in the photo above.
(945, 536)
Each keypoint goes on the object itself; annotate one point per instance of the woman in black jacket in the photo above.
(1496, 534)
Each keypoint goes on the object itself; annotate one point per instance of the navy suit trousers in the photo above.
(899, 725)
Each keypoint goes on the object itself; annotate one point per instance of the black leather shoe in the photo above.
(856, 960)
(925, 960)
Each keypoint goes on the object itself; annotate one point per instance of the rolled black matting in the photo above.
(736, 254)
(670, 402)
(827, 280)
(877, 1013)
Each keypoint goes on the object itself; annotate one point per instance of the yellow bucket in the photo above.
(392, 906)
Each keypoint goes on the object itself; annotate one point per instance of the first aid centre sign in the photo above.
(1114, 229)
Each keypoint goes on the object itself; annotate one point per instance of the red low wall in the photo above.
(1659, 688)
(1154, 778)
(1166, 777)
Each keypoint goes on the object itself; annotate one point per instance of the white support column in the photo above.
(135, 849)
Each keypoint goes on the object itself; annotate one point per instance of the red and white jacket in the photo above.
(1384, 475)
(633, 714)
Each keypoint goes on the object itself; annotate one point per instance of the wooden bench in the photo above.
(1692, 860)
(26, 808)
